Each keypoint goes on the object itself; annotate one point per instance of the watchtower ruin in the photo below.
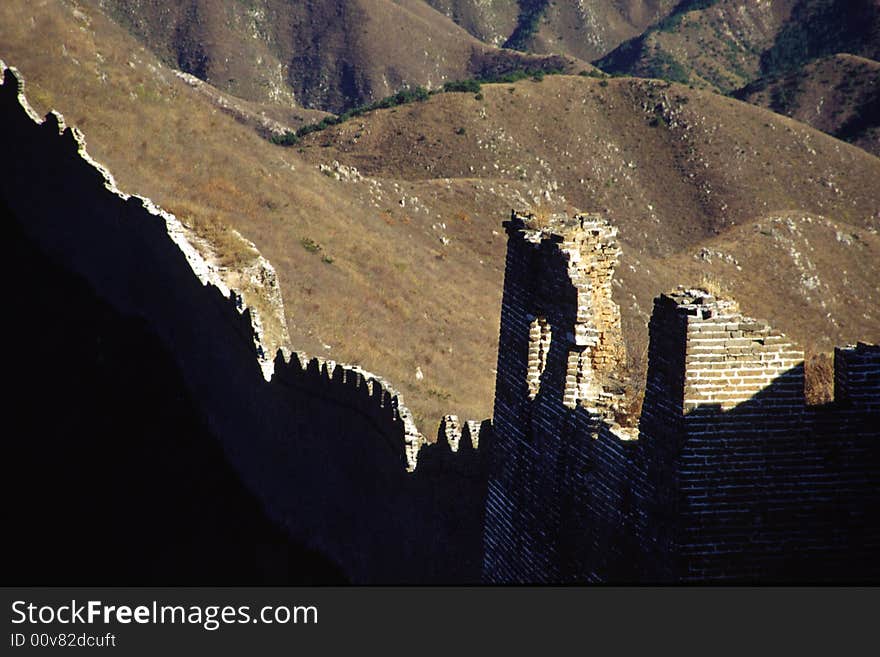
(730, 476)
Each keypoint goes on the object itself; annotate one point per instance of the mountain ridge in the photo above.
(330, 55)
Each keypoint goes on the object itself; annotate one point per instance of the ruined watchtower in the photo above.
(559, 350)
(731, 476)
(559, 321)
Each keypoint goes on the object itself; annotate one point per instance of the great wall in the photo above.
(729, 475)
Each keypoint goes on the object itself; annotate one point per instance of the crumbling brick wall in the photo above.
(543, 483)
(732, 477)
(763, 487)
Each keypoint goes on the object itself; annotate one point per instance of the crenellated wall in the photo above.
(731, 476)
(329, 451)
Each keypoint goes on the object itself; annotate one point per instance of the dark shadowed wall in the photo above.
(730, 477)
(313, 461)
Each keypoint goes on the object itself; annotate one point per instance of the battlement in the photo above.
(292, 427)
(731, 476)
(360, 390)
(857, 376)
(455, 434)
(372, 395)
(728, 358)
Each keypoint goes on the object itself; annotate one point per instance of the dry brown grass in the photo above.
(632, 376)
(226, 247)
(719, 288)
(819, 378)
(714, 286)
(540, 215)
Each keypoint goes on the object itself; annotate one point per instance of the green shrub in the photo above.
(530, 14)
(414, 95)
(310, 245)
(287, 139)
(519, 74)
(466, 86)
(665, 66)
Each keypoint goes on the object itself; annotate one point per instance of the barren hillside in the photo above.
(397, 265)
(586, 29)
(839, 95)
(328, 55)
(676, 169)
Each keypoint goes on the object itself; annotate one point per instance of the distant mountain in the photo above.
(726, 44)
(585, 29)
(817, 28)
(326, 54)
(839, 95)
(715, 44)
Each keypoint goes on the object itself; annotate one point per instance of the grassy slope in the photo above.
(416, 253)
(839, 95)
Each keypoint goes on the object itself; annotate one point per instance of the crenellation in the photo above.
(292, 427)
(857, 375)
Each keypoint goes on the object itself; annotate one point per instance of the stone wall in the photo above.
(763, 487)
(328, 452)
(547, 427)
(732, 476)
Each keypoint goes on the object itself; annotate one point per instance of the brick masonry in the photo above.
(731, 476)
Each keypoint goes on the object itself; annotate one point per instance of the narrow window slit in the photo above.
(539, 346)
